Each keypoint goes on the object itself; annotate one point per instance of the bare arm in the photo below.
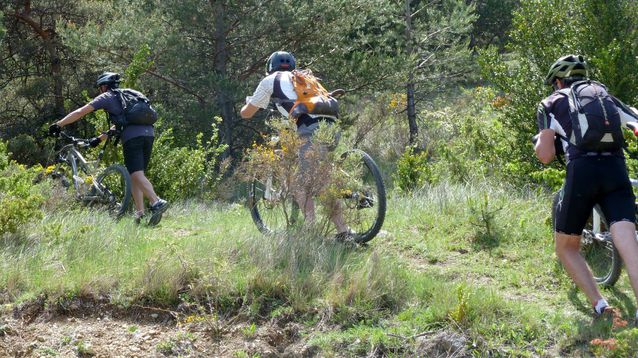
(248, 111)
(544, 148)
(75, 115)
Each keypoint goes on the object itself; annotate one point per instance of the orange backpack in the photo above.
(312, 98)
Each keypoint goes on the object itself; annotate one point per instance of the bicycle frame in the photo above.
(70, 155)
(108, 187)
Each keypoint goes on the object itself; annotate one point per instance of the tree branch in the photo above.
(200, 99)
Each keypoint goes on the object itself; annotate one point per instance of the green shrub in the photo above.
(184, 172)
(24, 149)
(412, 170)
(591, 29)
(551, 177)
(467, 141)
(20, 199)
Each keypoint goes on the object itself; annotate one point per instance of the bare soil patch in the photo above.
(95, 329)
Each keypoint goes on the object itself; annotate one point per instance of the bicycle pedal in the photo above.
(604, 236)
(365, 203)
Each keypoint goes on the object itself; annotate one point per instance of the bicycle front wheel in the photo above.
(362, 194)
(272, 206)
(597, 248)
(112, 190)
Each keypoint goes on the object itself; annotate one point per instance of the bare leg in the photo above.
(337, 217)
(624, 236)
(568, 251)
(138, 197)
(141, 188)
(314, 164)
(307, 205)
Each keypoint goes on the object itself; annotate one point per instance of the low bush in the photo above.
(412, 170)
(20, 199)
(24, 149)
(185, 172)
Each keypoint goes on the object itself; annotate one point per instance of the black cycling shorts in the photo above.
(137, 153)
(601, 180)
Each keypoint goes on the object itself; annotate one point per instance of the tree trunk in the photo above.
(411, 110)
(411, 107)
(221, 58)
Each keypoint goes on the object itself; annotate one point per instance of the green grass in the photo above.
(473, 259)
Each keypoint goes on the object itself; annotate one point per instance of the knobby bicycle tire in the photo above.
(371, 197)
(272, 208)
(597, 248)
(114, 189)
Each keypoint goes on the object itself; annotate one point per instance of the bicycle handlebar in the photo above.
(337, 93)
(79, 142)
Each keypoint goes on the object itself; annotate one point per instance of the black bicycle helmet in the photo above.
(280, 61)
(110, 79)
(567, 66)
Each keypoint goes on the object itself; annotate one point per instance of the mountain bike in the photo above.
(596, 244)
(357, 187)
(108, 188)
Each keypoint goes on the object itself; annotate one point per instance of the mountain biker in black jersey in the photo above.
(591, 178)
(137, 144)
(278, 86)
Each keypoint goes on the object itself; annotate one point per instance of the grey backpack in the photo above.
(596, 125)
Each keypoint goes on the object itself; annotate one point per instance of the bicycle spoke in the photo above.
(362, 195)
(599, 256)
(272, 206)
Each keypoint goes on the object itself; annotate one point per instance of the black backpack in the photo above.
(596, 125)
(136, 109)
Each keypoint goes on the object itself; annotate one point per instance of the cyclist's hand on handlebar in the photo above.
(94, 142)
(634, 127)
(535, 139)
(54, 130)
(112, 132)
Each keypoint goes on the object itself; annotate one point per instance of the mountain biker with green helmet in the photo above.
(592, 177)
(278, 87)
(137, 144)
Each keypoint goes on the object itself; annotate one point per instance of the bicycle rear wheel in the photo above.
(597, 248)
(272, 206)
(112, 190)
(363, 195)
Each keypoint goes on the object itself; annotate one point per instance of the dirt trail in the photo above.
(102, 332)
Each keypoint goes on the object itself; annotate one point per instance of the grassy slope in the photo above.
(471, 259)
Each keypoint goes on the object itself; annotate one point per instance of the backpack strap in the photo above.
(120, 96)
(118, 120)
(279, 97)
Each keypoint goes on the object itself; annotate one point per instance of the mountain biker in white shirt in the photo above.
(278, 87)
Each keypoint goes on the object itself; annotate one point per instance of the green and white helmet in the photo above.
(567, 66)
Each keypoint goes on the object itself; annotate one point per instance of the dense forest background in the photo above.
(441, 93)
(421, 72)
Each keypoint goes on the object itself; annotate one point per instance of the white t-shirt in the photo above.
(264, 91)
